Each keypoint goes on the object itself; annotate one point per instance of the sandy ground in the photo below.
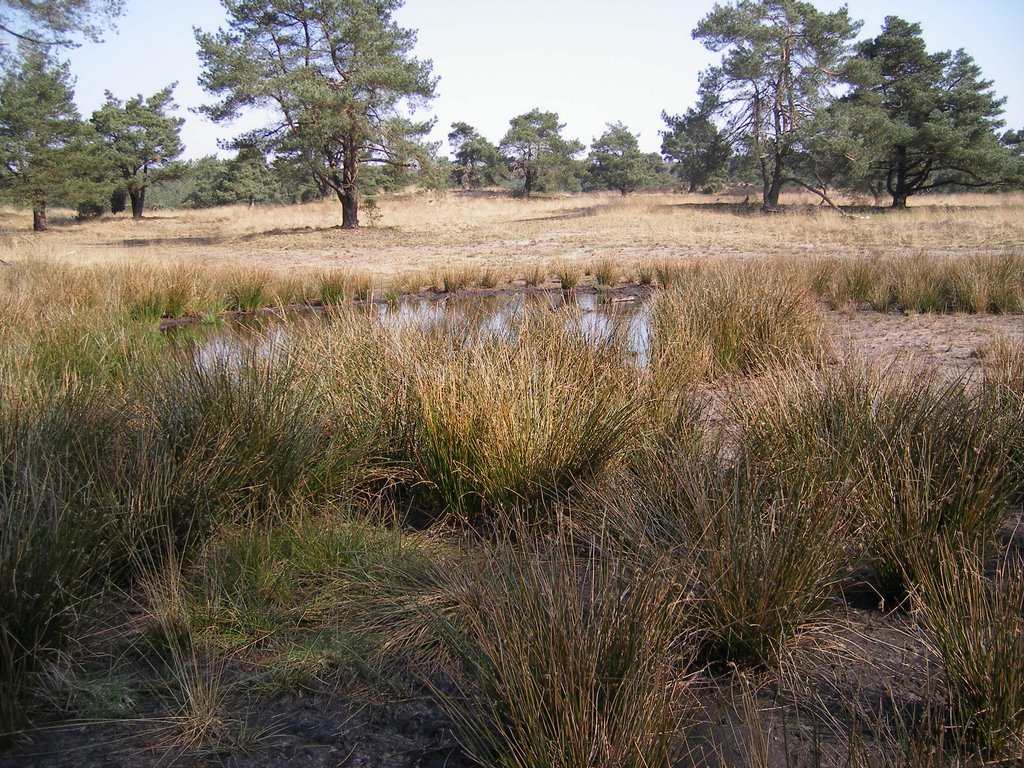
(953, 343)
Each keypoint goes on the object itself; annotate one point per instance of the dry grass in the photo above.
(446, 231)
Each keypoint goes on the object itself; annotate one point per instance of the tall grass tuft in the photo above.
(242, 435)
(923, 283)
(565, 662)
(568, 275)
(516, 418)
(977, 626)
(334, 287)
(760, 555)
(923, 457)
(249, 291)
(740, 321)
(605, 272)
(57, 539)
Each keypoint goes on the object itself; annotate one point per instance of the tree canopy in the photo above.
(697, 147)
(477, 162)
(141, 139)
(782, 62)
(537, 152)
(933, 116)
(616, 161)
(46, 150)
(338, 76)
(54, 22)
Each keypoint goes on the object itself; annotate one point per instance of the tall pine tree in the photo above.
(339, 78)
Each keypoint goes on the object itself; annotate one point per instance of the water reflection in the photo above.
(593, 316)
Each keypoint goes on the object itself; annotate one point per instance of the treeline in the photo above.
(796, 101)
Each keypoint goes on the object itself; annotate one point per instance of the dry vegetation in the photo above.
(430, 232)
(515, 544)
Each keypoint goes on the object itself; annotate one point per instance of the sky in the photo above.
(592, 61)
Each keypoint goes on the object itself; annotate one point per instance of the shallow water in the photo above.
(595, 318)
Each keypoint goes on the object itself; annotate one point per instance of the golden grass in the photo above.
(438, 231)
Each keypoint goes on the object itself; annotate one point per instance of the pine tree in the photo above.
(141, 140)
(933, 117)
(45, 148)
(782, 63)
(478, 163)
(338, 76)
(616, 161)
(537, 152)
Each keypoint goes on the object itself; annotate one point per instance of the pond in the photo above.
(597, 317)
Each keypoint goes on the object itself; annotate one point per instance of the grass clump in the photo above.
(741, 320)
(976, 624)
(605, 273)
(334, 287)
(924, 457)
(760, 555)
(57, 541)
(565, 661)
(568, 276)
(516, 418)
(249, 291)
(923, 283)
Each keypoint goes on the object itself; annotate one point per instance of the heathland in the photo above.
(247, 517)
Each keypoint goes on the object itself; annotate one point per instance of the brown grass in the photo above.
(445, 231)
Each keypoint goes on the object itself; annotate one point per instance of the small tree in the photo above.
(782, 63)
(616, 161)
(141, 140)
(934, 117)
(697, 147)
(477, 162)
(46, 150)
(537, 153)
(337, 75)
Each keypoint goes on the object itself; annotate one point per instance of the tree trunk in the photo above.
(897, 183)
(349, 192)
(349, 209)
(771, 198)
(138, 197)
(39, 217)
(693, 186)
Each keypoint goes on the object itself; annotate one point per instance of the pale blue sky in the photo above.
(592, 61)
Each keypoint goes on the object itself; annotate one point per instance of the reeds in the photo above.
(924, 283)
(923, 457)
(601, 528)
(515, 419)
(57, 540)
(734, 321)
